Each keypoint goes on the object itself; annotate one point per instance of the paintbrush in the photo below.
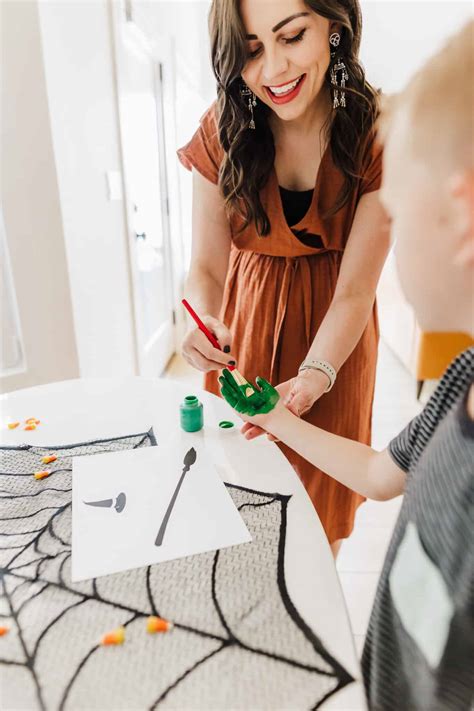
(242, 383)
(188, 461)
(203, 328)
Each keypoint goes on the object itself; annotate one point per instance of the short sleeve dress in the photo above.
(277, 292)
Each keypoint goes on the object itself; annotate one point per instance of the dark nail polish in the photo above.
(231, 362)
(226, 349)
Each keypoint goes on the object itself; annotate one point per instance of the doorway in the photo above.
(140, 102)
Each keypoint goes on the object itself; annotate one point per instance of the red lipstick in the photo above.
(286, 98)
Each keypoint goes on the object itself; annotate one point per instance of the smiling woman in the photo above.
(288, 234)
(287, 66)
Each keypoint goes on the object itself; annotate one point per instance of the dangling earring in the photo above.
(245, 91)
(338, 66)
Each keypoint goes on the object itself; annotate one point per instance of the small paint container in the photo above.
(226, 426)
(191, 414)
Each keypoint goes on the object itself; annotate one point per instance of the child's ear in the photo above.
(461, 188)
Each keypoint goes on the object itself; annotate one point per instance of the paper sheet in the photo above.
(120, 499)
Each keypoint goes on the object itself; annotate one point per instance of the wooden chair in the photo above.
(435, 352)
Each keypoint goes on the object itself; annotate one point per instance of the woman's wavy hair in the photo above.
(250, 154)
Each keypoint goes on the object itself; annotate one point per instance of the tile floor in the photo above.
(361, 556)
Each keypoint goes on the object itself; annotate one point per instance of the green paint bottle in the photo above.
(191, 414)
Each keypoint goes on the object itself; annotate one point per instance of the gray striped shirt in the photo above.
(419, 650)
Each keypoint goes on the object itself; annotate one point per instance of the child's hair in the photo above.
(440, 102)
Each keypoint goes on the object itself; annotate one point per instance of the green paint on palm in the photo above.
(245, 397)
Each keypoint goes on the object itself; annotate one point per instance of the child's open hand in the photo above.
(298, 395)
(250, 401)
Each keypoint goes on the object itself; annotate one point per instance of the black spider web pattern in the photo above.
(238, 640)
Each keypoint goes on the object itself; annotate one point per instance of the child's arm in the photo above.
(369, 472)
(361, 468)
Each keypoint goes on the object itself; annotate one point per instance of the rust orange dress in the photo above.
(277, 292)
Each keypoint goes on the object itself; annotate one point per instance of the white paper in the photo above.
(204, 517)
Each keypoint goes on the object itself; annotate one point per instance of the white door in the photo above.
(141, 127)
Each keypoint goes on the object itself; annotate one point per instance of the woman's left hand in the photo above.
(298, 394)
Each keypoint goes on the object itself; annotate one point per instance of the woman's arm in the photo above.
(210, 248)
(364, 257)
(206, 279)
(347, 316)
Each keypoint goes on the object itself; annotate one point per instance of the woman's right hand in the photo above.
(201, 354)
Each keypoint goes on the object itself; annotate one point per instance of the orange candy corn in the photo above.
(30, 427)
(12, 425)
(41, 475)
(4, 630)
(117, 636)
(32, 420)
(50, 458)
(156, 624)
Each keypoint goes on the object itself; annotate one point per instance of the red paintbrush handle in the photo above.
(210, 336)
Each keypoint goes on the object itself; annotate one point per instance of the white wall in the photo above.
(400, 35)
(31, 207)
(76, 39)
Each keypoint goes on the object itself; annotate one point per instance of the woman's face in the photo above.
(288, 54)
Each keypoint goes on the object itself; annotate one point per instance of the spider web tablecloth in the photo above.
(238, 640)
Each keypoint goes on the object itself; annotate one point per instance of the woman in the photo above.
(289, 237)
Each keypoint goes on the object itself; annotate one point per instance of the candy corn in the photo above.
(4, 630)
(156, 624)
(30, 424)
(50, 458)
(117, 636)
(41, 475)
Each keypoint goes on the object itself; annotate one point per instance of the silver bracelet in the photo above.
(321, 365)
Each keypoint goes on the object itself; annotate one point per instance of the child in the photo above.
(419, 650)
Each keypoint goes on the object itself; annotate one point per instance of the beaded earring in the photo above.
(338, 68)
(252, 102)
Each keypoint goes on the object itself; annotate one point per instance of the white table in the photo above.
(82, 410)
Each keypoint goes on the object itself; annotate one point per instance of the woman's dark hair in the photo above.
(249, 154)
